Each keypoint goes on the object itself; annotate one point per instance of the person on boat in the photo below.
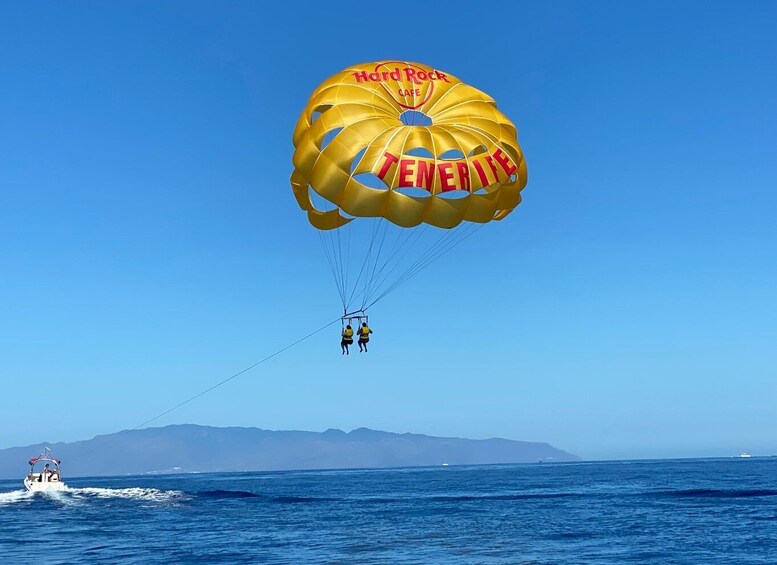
(347, 339)
(364, 337)
(44, 476)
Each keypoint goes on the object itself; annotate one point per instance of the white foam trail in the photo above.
(14, 496)
(74, 496)
(60, 496)
(135, 493)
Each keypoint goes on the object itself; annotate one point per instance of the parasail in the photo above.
(408, 158)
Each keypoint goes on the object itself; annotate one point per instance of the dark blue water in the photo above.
(701, 511)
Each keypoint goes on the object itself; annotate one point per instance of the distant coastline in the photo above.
(190, 448)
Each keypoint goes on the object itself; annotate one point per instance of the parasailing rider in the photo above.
(364, 337)
(347, 339)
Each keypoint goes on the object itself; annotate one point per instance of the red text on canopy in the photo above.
(433, 175)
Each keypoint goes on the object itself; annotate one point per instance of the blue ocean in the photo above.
(677, 511)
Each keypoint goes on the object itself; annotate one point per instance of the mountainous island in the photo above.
(188, 448)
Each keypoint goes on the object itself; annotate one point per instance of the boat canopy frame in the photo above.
(46, 458)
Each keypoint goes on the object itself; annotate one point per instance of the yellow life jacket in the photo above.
(348, 334)
(364, 332)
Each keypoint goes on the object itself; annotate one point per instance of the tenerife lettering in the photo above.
(433, 175)
(406, 74)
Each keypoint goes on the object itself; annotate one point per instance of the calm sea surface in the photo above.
(700, 511)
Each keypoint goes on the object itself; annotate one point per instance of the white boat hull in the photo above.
(35, 486)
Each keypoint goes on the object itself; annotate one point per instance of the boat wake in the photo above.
(134, 493)
(14, 496)
(71, 496)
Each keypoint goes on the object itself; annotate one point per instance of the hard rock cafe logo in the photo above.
(409, 85)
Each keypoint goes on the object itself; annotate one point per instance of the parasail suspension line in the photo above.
(225, 381)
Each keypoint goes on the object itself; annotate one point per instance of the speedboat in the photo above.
(745, 455)
(45, 479)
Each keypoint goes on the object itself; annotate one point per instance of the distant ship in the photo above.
(744, 455)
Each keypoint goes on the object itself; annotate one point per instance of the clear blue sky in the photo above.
(150, 245)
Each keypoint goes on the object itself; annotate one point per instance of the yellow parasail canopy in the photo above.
(440, 149)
